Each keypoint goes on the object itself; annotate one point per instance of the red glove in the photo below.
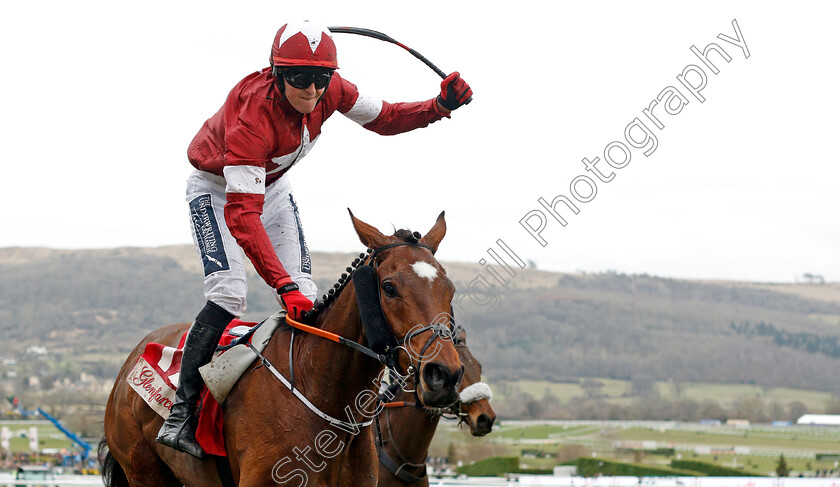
(454, 92)
(294, 301)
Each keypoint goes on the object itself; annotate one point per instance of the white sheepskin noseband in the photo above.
(476, 392)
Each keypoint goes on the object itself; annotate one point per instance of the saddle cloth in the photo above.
(155, 377)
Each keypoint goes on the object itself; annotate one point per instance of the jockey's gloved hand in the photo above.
(454, 92)
(294, 301)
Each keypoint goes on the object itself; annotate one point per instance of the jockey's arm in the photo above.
(395, 118)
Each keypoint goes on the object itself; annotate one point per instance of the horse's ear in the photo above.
(370, 236)
(435, 235)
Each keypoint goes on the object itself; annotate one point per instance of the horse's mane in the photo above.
(330, 296)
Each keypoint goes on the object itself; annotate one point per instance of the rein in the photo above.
(384, 345)
(345, 425)
(397, 469)
(335, 338)
(452, 412)
(472, 393)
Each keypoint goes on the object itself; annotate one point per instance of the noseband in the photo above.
(472, 393)
(383, 346)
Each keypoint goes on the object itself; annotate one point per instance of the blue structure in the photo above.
(76, 439)
(84, 446)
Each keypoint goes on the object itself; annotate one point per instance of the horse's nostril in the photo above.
(435, 376)
(485, 422)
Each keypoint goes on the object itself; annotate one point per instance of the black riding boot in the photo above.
(178, 431)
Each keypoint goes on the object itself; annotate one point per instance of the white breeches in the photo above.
(222, 258)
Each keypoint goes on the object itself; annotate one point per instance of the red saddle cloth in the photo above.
(156, 369)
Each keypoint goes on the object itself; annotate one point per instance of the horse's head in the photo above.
(415, 296)
(475, 396)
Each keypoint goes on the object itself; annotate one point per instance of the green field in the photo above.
(618, 391)
(565, 391)
(628, 442)
(536, 432)
(791, 440)
(48, 436)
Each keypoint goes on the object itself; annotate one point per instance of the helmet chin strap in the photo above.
(277, 72)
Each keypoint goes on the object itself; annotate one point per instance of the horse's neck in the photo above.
(410, 431)
(331, 374)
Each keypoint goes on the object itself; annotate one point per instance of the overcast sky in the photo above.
(101, 99)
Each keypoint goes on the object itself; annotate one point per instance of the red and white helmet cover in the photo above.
(304, 43)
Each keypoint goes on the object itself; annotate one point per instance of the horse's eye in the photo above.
(389, 289)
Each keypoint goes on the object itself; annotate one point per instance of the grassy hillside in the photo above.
(648, 332)
(621, 392)
(644, 328)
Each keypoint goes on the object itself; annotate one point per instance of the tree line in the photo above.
(597, 325)
(826, 345)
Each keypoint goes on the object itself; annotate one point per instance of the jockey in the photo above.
(240, 199)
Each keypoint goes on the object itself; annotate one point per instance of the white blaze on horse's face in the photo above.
(425, 270)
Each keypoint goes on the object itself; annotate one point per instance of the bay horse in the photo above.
(273, 437)
(406, 430)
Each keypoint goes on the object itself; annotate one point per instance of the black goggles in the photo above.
(303, 79)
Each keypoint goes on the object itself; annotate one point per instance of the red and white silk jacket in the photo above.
(257, 136)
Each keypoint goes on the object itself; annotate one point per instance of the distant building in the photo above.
(534, 453)
(37, 350)
(820, 419)
(738, 423)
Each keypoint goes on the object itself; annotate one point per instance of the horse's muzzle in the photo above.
(440, 384)
(482, 425)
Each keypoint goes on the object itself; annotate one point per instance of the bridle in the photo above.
(379, 333)
(399, 470)
(382, 344)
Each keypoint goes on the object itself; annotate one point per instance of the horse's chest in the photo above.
(329, 458)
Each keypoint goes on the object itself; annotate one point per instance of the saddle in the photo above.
(155, 376)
